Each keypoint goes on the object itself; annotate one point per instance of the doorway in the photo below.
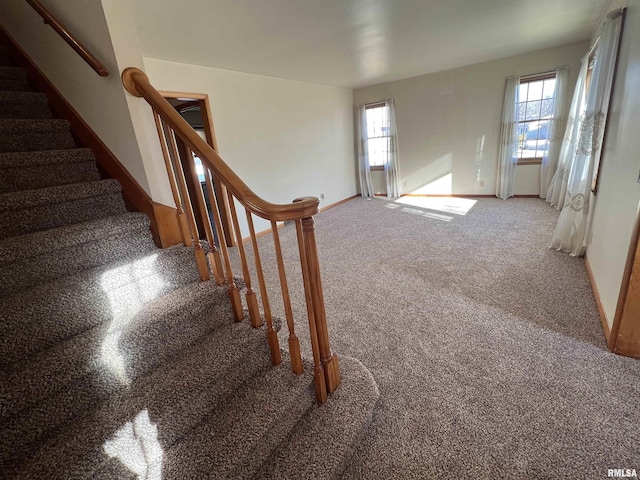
(195, 109)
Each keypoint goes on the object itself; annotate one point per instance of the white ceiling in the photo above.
(355, 43)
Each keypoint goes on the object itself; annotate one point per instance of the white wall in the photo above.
(102, 102)
(285, 139)
(448, 122)
(618, 195)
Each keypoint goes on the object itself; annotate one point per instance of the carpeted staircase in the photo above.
(115, 360)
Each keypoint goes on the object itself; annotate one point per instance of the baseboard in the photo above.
(344, 200)
(135, 197)
(455, 195)
(596, 294)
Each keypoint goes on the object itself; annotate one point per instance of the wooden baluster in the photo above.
(272, 335)
(319, 378)
(252, 301)
(201, 260)
(329, 361)
(234, 293)
(214, 255)
(294, 342)
(182, 221)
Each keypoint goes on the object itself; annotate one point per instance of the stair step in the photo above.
(5, 57)
(13, 79)
(31, 319)
(46, 168)
(130, 343)
(24, 105)
(40, 257)
(324, 441)
(234, 439)
(177, 396)
(30, 135)
(35, 210)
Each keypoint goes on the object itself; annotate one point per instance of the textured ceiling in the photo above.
(354, 43)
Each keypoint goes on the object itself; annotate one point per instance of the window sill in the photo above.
(377, 167)
(529, 161)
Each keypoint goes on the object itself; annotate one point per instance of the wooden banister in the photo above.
(174, 131)
(137, 83)
(86, 55)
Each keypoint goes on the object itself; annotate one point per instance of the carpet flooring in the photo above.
(485, 344)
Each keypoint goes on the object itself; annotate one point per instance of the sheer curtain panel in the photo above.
(366, 188)
(572, 231)
(558, 186)
(508, 151)
(391, 166)
(556, 132)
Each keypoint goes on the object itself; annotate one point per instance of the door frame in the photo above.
(202, 100)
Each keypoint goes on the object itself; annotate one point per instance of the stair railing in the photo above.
(177, 135)
(66, 35)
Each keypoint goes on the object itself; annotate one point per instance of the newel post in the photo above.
(329, 360)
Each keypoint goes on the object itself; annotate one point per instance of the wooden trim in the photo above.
(167, 230)
(379, 104)
(135, 197)
(63, 31)
(534, 77)
(625, 333)
(202, 100)
(459, 195)
(376, 168)
(344, 200)
(529, 161)
(596, 294)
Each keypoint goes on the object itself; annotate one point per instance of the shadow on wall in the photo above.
(435, 178)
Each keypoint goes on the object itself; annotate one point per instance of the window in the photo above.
(378, 135)
(536, 99)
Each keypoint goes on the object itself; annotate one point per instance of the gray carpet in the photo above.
(115, 360)
(486, 345)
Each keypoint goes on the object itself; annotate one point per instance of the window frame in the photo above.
(536, 77)
(371, 106)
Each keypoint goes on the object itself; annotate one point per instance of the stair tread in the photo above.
(18, 125)
(47, 241)
(24, 105)
(58, 194)
(45, 157)
(173, 399)
(13, 78)
(329, 434)
(30, 319)
(32, 170)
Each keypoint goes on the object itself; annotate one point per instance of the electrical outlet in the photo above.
(404, 184)
(482, 183)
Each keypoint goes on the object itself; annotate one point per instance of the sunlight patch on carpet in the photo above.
(454, 205)
(137, 447)
(138, 283)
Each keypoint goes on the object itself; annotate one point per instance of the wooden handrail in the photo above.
(86, 55)
(137, 83)
(174, 131)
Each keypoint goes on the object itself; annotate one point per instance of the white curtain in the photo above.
(391, 167)
(558, 186)
(366, 188)
(572, 229)
(508, 151)
(555, 134)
